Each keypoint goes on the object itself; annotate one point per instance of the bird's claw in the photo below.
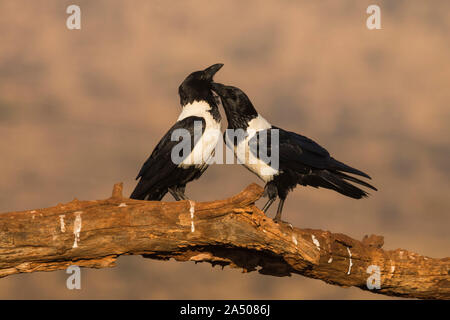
(279, 221)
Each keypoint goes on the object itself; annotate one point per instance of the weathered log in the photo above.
(231, 232)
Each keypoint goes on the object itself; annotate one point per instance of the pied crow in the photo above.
(200, 118)
(301, 161)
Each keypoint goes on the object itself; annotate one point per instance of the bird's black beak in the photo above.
(211, 71)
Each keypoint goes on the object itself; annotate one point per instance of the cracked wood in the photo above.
(231, 232)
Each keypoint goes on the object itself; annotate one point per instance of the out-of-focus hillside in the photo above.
(80, 110)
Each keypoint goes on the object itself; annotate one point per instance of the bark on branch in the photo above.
(231, 232)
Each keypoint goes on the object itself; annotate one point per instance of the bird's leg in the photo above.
(268, 204)
(279, 211)
(277, 218)
(174, 194)
(182, 196)
(271, 191)
(180, 191)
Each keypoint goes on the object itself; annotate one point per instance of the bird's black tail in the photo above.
(338, 181)
(334, 178)
(339, 166)
(142, 191)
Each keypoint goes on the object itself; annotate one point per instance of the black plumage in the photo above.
(301, 160)
(160, 174)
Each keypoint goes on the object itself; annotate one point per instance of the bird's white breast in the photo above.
(258, 123)
(247, 158)
(204, 148)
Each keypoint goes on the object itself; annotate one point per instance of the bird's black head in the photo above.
(237, 105)
(197, 86)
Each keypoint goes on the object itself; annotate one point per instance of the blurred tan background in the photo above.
(82, 109)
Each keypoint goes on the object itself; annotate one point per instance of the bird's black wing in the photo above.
(301, 153)
(159, 165)
(294, 150)
(163, 149)
(315, 155)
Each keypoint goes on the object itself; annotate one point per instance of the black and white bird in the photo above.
(200, 118)
(301, 161)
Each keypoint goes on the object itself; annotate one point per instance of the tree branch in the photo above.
(231, 232)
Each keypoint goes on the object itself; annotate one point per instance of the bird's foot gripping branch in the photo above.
(231, 232)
